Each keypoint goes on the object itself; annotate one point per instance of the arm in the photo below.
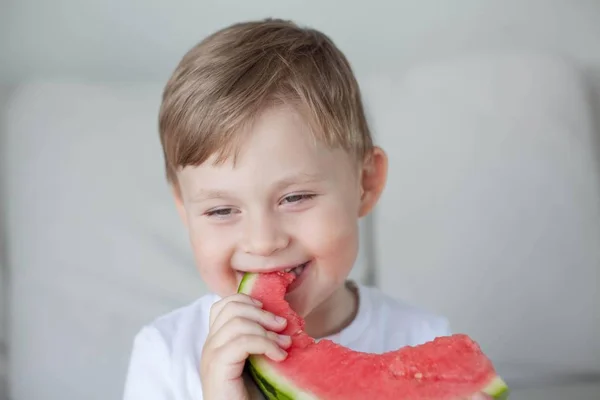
(148, 374)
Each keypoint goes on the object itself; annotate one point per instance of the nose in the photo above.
(264, 236)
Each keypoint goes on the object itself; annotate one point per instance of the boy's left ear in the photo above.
(373, 179)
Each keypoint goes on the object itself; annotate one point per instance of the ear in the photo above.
(176, 191)
(373, 179)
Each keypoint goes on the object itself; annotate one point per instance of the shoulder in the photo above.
(164, 348)
(401, 323)
(403, 313)
(191, 319)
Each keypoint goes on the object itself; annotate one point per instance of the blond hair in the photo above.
(226, 80)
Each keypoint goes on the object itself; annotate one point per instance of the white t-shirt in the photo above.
(166, 354)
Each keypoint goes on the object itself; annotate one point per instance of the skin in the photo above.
(286, 200)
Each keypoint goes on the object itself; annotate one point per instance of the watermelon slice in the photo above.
(447, 368)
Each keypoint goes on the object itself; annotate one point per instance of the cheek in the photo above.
(212, 250)
(331, 234)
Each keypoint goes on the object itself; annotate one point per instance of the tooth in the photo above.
(288, 269)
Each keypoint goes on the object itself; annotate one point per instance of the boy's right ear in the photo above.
(373, 179)
(179, 204)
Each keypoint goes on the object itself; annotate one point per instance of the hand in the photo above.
(238, 327)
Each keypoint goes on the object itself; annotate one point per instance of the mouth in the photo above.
(299, 273)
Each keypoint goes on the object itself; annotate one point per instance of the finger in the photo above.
(233, 356)
(239, 326)
(216, 308)
(243, 346)
(234, 309)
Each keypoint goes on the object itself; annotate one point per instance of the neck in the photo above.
(334, 314)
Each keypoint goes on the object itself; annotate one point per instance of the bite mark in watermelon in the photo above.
(447, 368)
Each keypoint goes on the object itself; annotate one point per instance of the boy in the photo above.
(271, 162)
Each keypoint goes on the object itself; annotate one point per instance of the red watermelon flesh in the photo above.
(447, 368)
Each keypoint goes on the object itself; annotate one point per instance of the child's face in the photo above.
(288, 201)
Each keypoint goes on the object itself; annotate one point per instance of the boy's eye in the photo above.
(294, 198)
(220, 212)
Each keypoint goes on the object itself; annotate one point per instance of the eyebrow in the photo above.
(208, 194)
(292, 179)
(299, 178)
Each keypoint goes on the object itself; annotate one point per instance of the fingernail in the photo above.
(280, 320)
(283, 353)
(284, 340)
(277, 355)
(257, 302)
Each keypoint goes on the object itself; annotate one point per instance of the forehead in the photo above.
(279, 129)
(278, 144)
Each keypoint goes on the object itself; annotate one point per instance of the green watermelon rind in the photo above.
(497, 388)
(272, 385)
(247, 283)
(276, 387)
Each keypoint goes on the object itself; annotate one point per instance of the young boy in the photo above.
(272, 164)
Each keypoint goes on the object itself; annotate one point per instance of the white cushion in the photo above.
(554, 391)
(491, 215)
(3, 262)
(96, 247)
